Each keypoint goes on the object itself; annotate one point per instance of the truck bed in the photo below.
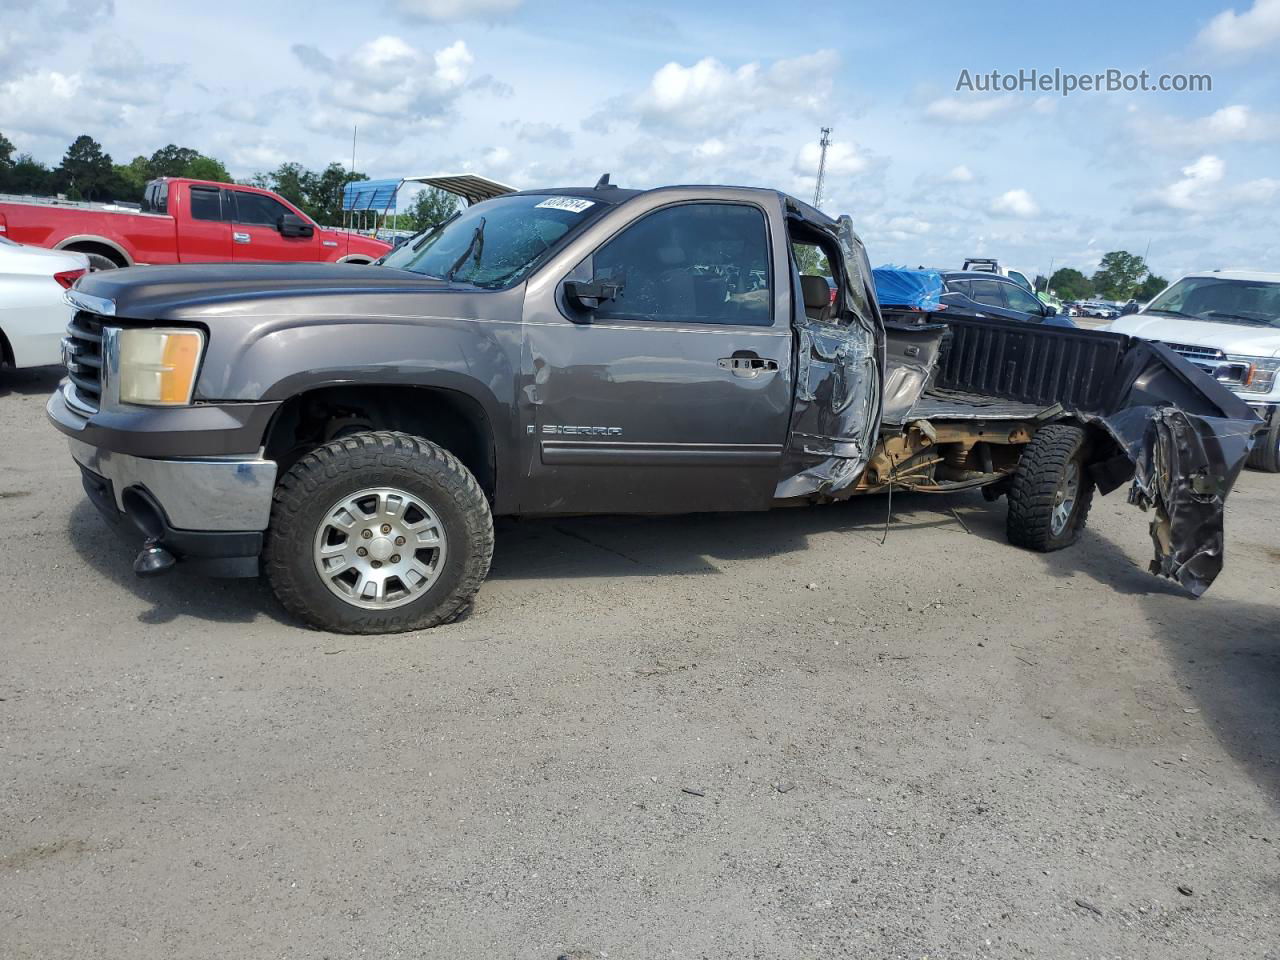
(939, 403)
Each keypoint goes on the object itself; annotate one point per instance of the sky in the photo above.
(537, 93)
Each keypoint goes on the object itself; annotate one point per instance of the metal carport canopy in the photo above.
(471, 187)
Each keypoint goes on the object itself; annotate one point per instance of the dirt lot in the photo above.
(739, 736)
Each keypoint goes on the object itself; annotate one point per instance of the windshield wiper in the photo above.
(1172, 313)
(477, 244)
(1236, 316)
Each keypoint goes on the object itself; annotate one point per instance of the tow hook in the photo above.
(153, 560)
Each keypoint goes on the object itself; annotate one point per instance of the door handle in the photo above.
(239, 237)
(747, 364)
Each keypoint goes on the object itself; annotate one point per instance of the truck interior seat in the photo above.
(817, 297)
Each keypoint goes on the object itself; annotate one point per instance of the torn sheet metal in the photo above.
(1184, 465)
(839, 380)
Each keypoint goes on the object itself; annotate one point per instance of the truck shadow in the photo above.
(174, 595)
(690, 544)
(29, 380)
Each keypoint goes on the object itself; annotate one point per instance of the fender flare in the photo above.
(101, 241)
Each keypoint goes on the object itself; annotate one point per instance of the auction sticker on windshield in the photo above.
(572, 204)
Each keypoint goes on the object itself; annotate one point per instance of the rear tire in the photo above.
(330, 506)
(1266, 455)
(1051, 492)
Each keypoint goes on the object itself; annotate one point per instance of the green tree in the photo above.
(86, 170)
(1070, 284)
(207, 168)
(1119, 275)
(324, 193)
(318, 195)
(430, 207)
(6, 152)
(171, 161)
(131, 178)
(1150, 287)
(27, 175)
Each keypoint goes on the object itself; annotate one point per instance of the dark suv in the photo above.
(986, 295)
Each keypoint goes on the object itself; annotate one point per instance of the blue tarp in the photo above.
(904, 287)
(369, 194)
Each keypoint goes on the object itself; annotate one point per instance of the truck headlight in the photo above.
(158, 367)
(1259, 374)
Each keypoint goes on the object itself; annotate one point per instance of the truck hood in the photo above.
(154, 293)
(1236, 338)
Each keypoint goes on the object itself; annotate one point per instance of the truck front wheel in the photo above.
(378, 532)
(1266, 450)
(1051, 492)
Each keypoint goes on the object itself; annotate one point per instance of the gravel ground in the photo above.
(713, 736)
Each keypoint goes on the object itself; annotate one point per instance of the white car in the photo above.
(1228, 324)
(33, 315)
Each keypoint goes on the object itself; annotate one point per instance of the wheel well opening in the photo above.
(88, 246)
(447, 418)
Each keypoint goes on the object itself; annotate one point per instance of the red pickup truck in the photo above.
(183, 221)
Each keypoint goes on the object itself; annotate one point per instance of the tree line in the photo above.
(87, 172)
(1120, 276)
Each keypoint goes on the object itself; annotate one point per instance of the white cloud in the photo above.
(958, 174)
(709, 94)
(843, 160)
(1191, 191)
(440, 11)
(968, 110)
(1243, 33)
(1236, 123)
(714, 147)
(1203, 194)
(1015, 203)
(386, 87)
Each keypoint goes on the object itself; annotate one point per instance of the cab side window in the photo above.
(1019, 299)
(989, 292)
(206, 203)
(258, 210)
(691, 263)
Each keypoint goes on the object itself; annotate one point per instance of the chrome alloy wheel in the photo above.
(380, 548)
(1064, 499)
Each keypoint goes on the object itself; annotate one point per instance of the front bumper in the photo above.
(209, 512)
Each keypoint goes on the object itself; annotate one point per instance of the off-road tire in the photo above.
(352, 463)
(1266, 452)
(1042, 469)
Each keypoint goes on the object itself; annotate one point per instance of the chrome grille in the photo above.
(1212, 361)
(82, 356)
(1196, 353)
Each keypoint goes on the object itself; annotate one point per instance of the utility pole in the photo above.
(822, 165)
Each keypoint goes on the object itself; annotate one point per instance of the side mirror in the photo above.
(292, 225)
(1129, 308)
(1050, 310)
(589, 294)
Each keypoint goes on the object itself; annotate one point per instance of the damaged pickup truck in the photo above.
(352, 433)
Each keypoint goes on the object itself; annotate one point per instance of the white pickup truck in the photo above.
(1226, 322)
